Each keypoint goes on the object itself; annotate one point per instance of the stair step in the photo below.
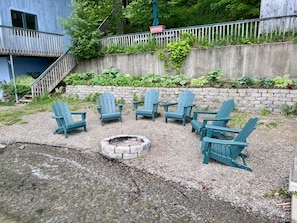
(26, 99)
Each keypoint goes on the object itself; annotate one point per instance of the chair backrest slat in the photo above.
(224, 112)
(151, 97)
(107, 103)
(186, 98)
(247, 130)
(62, 109)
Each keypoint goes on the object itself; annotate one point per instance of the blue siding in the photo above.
(47, 12)
(5, 69)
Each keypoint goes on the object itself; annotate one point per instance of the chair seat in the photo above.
(111, 116)
(196, 125)
(108, 108)
(174, 115)
(144, 112)
(76, 124)
(221, 119)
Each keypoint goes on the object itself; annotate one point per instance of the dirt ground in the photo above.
(175, 155)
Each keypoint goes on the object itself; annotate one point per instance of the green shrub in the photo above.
(245, 81)
(213, 77)
(199, 82)
(290, 110)
(266, 82)
(282, 82)
(23, 85)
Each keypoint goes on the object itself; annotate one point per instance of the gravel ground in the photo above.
(47, 178)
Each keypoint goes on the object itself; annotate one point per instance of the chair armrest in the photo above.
(83, 114)
(99, 109)
(196, 112)
(223, 129)
(136, 103)
(120, 107)
(57, 117)
(224, 142)
(169, 104)
(207, 119)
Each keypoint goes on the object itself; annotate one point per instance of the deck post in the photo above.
(13, 77)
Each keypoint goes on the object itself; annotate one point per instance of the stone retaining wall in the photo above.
(248, 100)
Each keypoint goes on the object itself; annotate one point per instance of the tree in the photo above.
(237, 9)
(82, 26)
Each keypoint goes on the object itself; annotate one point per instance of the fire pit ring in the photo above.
(125, 146)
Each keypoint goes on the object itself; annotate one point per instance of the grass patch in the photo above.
(13, 114)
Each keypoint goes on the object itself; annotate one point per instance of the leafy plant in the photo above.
(266, 82)
(79, 78)
(111, 72)
(290, 110)
(199, 82)
(176, 52)
(282, 82)
(92, 97)
(265, 111)
(281, 192)
(245, 81)
(214, 76)
(82, 25)
(23, 85)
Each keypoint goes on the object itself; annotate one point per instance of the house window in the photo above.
(23, 20)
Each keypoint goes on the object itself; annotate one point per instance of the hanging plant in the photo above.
(175, 55)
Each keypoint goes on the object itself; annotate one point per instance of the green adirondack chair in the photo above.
(150, 105)
(221, 119)
(64, 119)
(108, 108)
(228, 151)
(183, 109)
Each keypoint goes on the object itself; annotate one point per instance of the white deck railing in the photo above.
(22, 42)
(252, 30)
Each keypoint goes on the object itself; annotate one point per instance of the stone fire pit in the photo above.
(125, 146)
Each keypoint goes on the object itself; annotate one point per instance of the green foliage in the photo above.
(176, 53)
(154, 80)
(290, 110)
(237, 8)
(199, 82)
(23, 85)
(79, 78)
(111, 72)
(121, 101)
(245, 81)
(93, 97)
(282, 82)
(266, 82)
(213, 77)
(265, 111)
(239, 121)
(82, 25)
(281, 192)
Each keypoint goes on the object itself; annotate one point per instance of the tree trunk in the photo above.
(117, 10)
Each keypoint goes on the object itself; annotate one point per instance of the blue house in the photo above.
(31, 37)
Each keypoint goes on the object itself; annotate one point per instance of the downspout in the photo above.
(13, 78)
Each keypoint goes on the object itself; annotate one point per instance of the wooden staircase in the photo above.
(52, 76)
(26, 99)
